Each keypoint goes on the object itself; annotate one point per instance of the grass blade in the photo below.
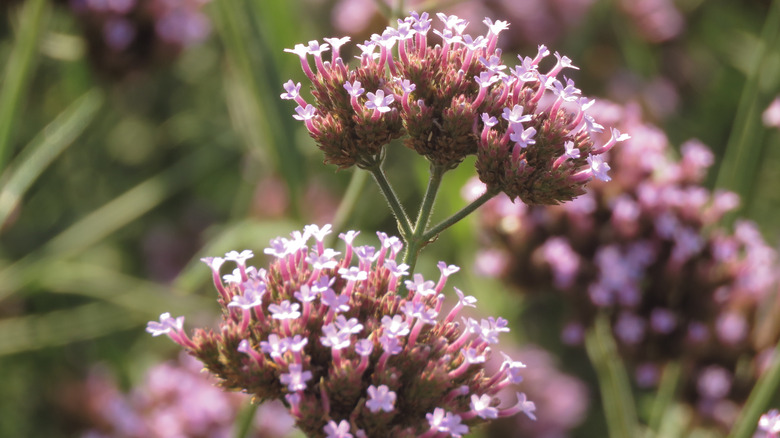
(19, 69)
(110, 217)
(619, 406)
(62, 327)
(44, 148)
(742, 158)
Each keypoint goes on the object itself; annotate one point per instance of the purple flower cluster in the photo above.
(769, 425)
(535, 20)
(174, 400)
(530, 130)
(561, 400)
(645, 249)
(124, 35)
(343, 349)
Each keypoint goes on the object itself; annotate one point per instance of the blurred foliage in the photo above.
(111, 188)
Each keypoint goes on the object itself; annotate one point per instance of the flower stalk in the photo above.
(448, 101)
(618, 403)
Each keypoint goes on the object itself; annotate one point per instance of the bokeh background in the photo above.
(137, 136)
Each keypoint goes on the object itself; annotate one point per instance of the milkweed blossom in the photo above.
(646, 250)
(350, 347)
(528, 126)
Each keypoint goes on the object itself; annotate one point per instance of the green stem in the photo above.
(245, 420)
(615, 388)
(742, 156)
(44, 149)
(18, 71)
(455, 218)
(404, 225)
(348, 202)
(665, 395)
(264, 128)
(398, 10)
(415, 241)
(759, 399)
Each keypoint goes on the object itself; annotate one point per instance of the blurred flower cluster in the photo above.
(174, 400)
(646, 249)
(343, 349)
(536, 20)
(126, 35)
(561, 400)
(769, 425)
(771, 115)
(530, 131)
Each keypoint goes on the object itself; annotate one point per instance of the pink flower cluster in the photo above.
(646, 249)
(124, 35)
(333, 338)
(529, 129)
(173, 400)
(769, 425)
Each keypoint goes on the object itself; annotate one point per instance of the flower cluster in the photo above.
(174, 399)
(562, 400)
(655, 21)
(769, 425)
(126, 34)
(771, 115)
(529, 130)
(346, 353)
(645, 250)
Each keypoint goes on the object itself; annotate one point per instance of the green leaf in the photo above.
(109, 218)
(19, 69)
(742, 159)
(62, 327)
(616, 395)
(260, 96)
(44, 148)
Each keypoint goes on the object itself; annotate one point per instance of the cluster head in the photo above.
(330, 335)
(528, 129)
(173, 399)
(130, 35)
(646, 250)
(769, 425)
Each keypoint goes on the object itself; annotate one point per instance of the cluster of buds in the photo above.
(126, 35)
(174, 399)
(344, 351)
(529, 130)
(645, 250)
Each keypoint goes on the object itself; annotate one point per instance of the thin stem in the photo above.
(455, 218)
(426, 208)
(404, 225)
(759, 399)
(245, 420)
(415, 241)
(398, 10)
(19, 70)
(348, 202)
(665, 395)
(615, 388)
(44, 149)
(742, 156)
(262, 126)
